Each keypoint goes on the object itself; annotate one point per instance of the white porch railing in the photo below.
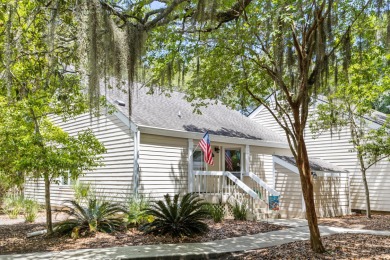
(259, 186)
(225, 184)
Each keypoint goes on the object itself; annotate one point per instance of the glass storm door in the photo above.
(233, 161)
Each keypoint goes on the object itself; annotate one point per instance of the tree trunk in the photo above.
(49, 223)
(363, 170)
(308, 194)
(368, 205)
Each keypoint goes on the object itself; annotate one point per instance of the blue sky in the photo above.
(156, 5)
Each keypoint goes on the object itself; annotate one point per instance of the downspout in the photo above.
(137, 137)
(349, 194)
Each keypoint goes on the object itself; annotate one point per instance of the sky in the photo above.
(156, 5)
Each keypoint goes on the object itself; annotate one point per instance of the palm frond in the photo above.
(177, 217)
(96, 215)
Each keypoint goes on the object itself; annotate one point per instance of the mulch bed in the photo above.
(359, 221)
(13, 237)
(339, 246)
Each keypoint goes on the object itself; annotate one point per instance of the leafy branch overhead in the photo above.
(289, 50)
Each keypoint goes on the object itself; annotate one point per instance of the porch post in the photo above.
(190, 167)
(247, 158)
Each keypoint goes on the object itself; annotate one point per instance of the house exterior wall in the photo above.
(114, 178)
(289, 186)
(335, 148)
(163, 166)
(261, 162)
(330, 194)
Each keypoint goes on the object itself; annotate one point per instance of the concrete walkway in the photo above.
(208, 250)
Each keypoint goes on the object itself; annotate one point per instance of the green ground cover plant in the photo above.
(177, 216)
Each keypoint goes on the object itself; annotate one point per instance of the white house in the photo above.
(336, 148)
(153, 153)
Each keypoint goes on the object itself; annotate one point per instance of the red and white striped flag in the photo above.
(228, 160)
(206, 148)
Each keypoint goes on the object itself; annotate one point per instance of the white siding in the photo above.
(336, 148)
(289, 186)
(330, 194)
(114, 178)
(261, 162)
(163, 165)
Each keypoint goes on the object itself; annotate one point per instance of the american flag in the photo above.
(206, 148)
(228, 160)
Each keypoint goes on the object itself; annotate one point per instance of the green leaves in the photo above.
(377, 145)
(176, 217)
(96, 215)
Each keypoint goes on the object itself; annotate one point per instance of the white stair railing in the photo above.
(226, 185)
(262, 184)
(263, 190)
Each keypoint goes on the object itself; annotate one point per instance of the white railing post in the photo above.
(247, 158)
(191, 176)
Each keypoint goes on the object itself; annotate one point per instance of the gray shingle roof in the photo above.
(175, 113)
(315, 164)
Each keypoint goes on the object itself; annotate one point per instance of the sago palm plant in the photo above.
(176, 217)
(95, 215)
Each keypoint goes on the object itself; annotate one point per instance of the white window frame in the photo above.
(204, 164)
(61, 181)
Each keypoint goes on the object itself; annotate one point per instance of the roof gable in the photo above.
(375, 120)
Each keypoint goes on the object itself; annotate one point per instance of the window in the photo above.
(65, 180)
(198, 161)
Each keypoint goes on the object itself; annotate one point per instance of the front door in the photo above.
(232, 162)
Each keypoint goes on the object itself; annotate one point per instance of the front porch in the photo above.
(223, 187)
(231, 179)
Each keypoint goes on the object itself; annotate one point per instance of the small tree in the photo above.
(370, 145)
(42, 150)
(351, 97)
(41, 83)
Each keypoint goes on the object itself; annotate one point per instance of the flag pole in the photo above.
(195, 149)
(196, 146)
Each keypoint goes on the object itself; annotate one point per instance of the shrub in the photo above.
(177, 218)
(240, 211)
(82, 191)
(96, 215)
(13, 205)
(136, 208)
(216, 211)
(30, 210)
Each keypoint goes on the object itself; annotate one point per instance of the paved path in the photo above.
(207, 250)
